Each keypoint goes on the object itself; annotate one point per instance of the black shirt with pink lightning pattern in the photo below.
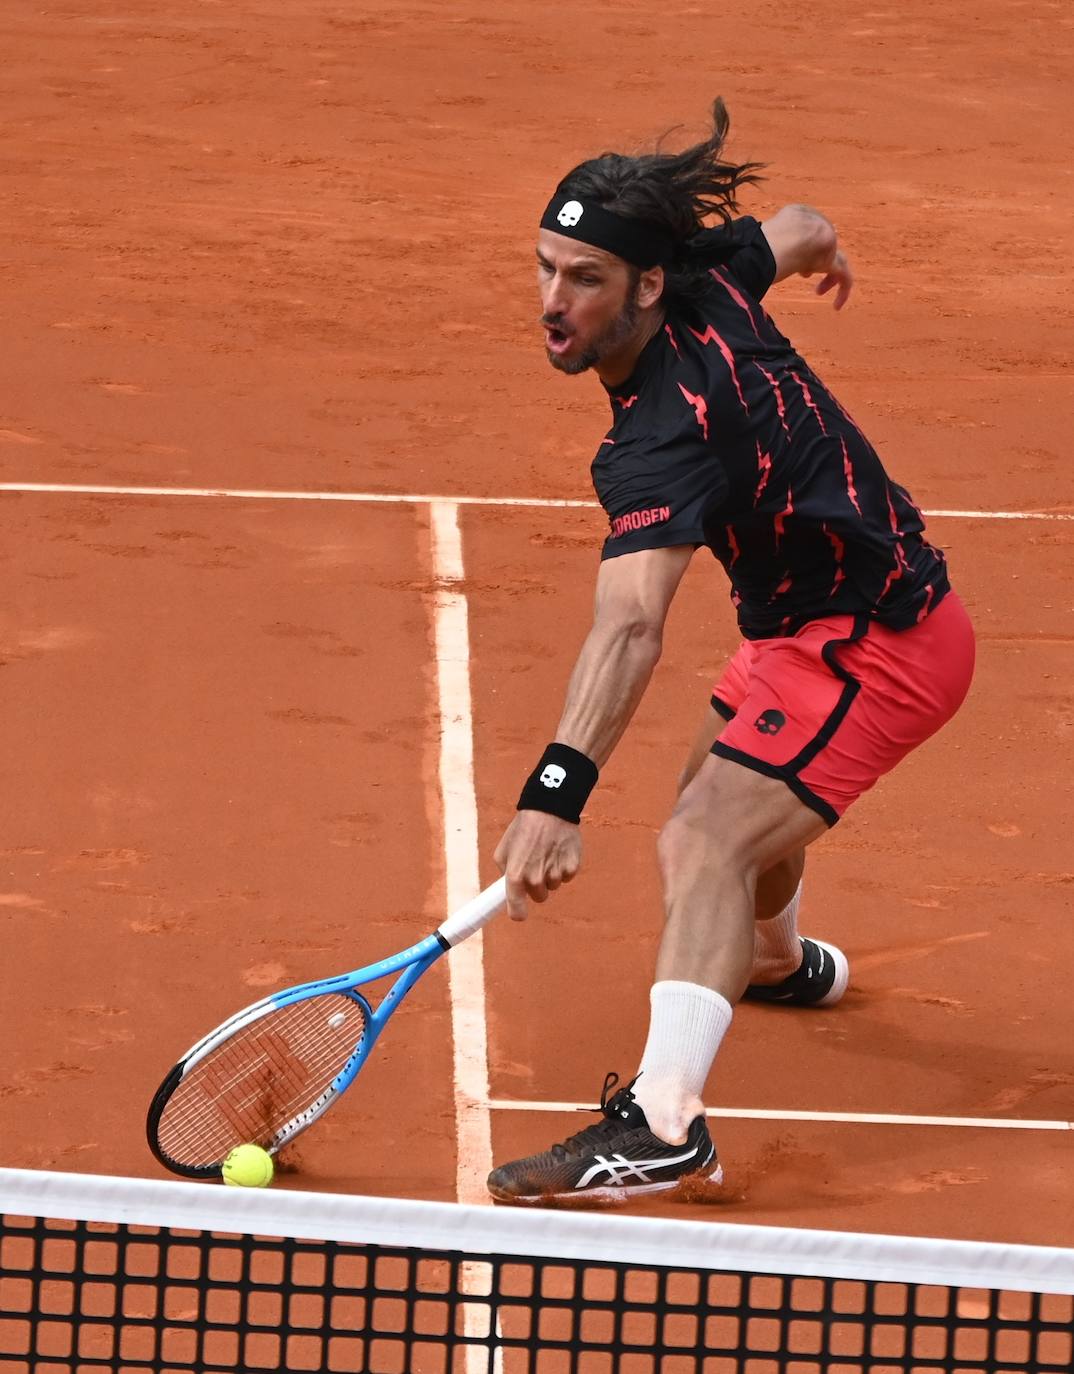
(724, 436)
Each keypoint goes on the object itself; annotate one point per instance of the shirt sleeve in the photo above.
(657, 500)
(742, 250)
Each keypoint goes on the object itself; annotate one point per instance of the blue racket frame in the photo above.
(410, 964)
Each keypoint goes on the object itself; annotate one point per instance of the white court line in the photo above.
(466, 971)
(997, 1123)
(244, 494)
(466, 966)
(411, 499)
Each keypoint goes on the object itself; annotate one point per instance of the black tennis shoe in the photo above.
(614, 1160)
(820, 980)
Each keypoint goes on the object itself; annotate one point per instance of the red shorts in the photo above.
(836, 706)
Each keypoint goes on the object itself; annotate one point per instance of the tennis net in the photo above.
(138, 1276)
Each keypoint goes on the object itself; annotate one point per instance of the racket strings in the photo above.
(259, 1079)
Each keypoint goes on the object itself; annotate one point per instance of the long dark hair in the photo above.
(675, 191)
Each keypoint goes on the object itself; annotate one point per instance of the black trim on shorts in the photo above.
(842, 706)
(824, 810)
(721, 708)
(788, 772)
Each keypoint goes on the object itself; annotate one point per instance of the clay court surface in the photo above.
(288, 248)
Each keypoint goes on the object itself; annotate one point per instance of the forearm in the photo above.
(608, 681)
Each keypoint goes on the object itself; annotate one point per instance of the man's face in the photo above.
(588, 302)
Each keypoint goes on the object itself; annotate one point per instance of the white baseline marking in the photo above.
(405, 498)
(997, 1123)
(466, 972)
(245, 494)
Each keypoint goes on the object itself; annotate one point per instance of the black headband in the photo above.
(633, 240)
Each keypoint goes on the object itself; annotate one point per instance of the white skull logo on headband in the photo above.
(570, 214)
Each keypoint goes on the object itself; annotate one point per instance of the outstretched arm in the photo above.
(539, 850)
(804, 242)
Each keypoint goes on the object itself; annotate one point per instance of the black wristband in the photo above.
(560, 784)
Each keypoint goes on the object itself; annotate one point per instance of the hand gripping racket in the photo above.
(271, 1070)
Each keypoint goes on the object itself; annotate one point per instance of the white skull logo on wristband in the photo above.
(560, 784)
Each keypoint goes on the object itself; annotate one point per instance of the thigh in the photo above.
(745, 818)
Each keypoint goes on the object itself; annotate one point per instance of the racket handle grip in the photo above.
(474, 914)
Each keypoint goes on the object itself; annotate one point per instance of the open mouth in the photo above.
(556, 341)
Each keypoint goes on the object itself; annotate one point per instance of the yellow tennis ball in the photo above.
(248, 1166)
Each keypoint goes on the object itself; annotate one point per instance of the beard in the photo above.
(613, 337)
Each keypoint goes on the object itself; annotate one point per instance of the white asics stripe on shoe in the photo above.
(619, 1169)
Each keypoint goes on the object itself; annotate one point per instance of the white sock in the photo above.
(686, 1024)
(777, 950)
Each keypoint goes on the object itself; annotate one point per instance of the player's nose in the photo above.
(554, 300)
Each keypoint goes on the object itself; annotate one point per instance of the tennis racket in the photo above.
(269, 1071)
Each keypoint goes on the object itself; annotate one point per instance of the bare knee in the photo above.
(688, 844)
(670, 847)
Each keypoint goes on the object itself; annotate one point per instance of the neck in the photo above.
(615, 368)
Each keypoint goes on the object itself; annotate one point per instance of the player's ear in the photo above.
(650, 286)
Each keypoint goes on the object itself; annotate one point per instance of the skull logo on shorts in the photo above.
(770, 722)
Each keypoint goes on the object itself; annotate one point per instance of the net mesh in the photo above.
(259, 1079)
(132, 1298)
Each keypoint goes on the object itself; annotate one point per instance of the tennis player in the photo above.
(855, 649)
